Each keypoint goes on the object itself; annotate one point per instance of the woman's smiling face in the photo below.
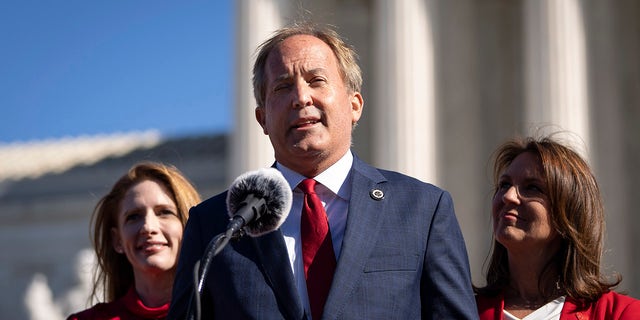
(149, 230)
(521, 207)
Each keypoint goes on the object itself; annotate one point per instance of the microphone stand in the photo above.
(255, 210)
(200, 270)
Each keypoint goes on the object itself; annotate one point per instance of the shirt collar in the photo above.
(333, 178)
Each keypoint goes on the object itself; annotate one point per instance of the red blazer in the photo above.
(127, 307)
(610, 305)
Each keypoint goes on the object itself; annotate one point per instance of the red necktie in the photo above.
(317, 249)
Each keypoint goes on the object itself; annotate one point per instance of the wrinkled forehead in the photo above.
(298, 53)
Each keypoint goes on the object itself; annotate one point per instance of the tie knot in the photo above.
(308, 186)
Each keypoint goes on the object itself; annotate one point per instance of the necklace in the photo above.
(524, 304)
(514, 301)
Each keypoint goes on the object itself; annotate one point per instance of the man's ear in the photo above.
(357, 103)
(261, 117)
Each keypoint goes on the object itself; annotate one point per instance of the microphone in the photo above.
(258, 202)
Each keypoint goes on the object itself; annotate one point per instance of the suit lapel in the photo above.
(274, 261)
(363, 222)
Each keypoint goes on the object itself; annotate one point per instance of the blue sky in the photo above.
(77, 67)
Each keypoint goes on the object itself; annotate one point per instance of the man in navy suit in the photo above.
(399, 249)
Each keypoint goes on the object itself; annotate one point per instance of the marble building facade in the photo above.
(445, 82)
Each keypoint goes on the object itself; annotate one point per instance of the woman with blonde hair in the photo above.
(137, 232)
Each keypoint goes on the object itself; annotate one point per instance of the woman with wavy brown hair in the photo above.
(137, 232)
(548, 230)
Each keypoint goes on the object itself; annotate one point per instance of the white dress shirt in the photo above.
(334, 190)
(550, 311)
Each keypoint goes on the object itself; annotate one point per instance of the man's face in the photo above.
(308, 112)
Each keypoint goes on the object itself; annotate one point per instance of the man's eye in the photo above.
(317, 81)
(281, 87)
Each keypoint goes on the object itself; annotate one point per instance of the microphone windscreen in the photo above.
(268, 184)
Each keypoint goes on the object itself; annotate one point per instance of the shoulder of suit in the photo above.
(212, 204)
(397, 177)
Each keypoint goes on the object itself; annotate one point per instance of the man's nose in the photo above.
(302, 95)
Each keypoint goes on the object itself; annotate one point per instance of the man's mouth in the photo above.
(305, 123)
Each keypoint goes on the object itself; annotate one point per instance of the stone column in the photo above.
(250, 149)
(613, 48)
(556, 73)
(557, 82)
(403, 130)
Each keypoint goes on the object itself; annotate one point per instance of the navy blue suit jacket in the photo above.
(403, 257)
